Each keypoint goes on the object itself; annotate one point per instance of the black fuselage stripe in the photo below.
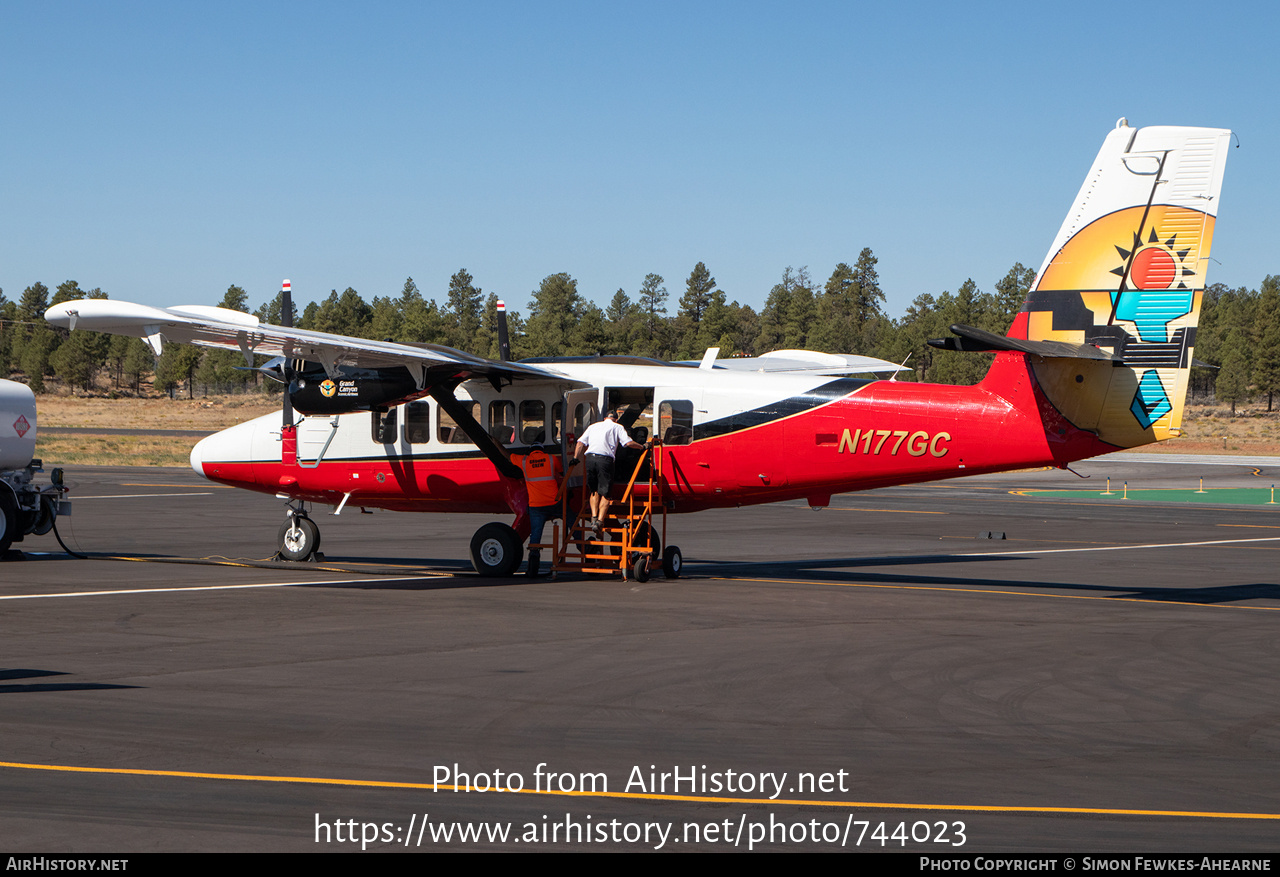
(779, 410)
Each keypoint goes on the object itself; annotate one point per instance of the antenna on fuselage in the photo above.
(903, 367)
(504, 344)
(286, 368)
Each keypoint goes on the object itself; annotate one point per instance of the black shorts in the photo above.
(599, 474)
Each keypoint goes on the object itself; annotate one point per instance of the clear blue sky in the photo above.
(163, 151)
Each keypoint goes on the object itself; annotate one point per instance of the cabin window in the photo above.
(557, 420)
(502, 422)
(581, 418)
(675, 421)
(384, 427)
(533, 422)
(449, 432)
(417, 423)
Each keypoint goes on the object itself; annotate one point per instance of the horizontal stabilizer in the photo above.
(974, 340)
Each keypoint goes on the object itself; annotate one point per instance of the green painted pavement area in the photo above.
(1211, 495)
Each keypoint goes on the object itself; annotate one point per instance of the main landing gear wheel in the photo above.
(672, 561)
(495, 550)
(299, 538)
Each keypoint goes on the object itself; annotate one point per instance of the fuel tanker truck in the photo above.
(25, 506)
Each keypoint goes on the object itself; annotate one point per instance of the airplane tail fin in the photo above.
(1125, 278)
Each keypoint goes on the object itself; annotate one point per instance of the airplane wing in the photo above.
(807, 362)
(232, 330)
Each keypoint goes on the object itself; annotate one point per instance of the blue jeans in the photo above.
(538, 517)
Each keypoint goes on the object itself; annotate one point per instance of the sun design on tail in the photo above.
(1156, 271)
(1156, 264)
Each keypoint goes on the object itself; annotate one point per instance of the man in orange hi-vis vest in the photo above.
(542, 471)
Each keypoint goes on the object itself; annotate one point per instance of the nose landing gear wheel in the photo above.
(299, 538)
(495, 550)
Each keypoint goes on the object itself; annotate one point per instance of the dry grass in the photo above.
(1214, 430)
(86, 449)
(114, 450)
(211, 414)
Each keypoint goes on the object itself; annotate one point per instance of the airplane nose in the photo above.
(197, 456)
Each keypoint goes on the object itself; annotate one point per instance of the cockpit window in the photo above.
(675, 421)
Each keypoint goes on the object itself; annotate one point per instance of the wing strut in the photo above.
(443, 394)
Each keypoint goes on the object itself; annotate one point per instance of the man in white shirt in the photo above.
(599, 445)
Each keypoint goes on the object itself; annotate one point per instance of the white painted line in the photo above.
(1187, 459)
(1120, 547)
(195, 588)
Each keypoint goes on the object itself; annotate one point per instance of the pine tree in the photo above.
(138, 361)
(652, 310)
(270, 311)
(592, 335)
(868, 298)
(1232, 385)
(1235, 315)
(833, 330)
(1266, 339)
(221, 369)
(423, 322)
(37, 347)
(622, 323)
(1011, 292)
(178, 364)
(554, 312)
(345, 314)
(697, 296)
(75, 361)
(35, 301)
(384, 319)
(8, 333)
(463, 310)
(236, 299)
(788, 313)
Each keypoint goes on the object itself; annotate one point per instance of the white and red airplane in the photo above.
(1097, 360)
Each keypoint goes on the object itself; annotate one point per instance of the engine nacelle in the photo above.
(313, 392)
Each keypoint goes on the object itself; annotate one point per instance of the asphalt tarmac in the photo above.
(871, 676)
